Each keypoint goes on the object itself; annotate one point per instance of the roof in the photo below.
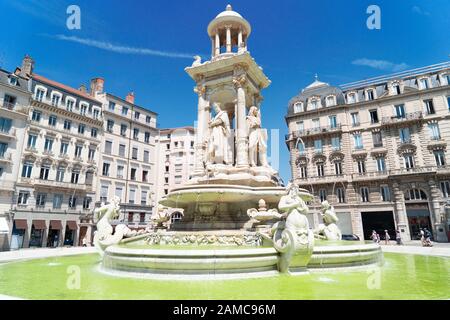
(132, 104)
(228, 13)
(64, 87)
(170, 130)
(229, 17)
(22, 84)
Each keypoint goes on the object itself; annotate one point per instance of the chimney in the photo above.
(97, 85)
(27, 66)
(130, 97)
(82, 88)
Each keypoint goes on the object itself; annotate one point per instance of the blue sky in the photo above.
(144, 46)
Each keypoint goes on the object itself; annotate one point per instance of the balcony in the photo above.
(323, 179)
(408, 117)
(366, 176)
(13, 107)
(314, 132)
(6, 158)
(31, 149)
(8, 134)
(60, 185)
(48, 153)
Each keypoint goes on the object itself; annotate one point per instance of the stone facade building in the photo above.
(377, 150)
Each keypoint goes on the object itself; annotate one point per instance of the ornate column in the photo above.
(400, 212)
(240, 38)
(239, 81)
(228, 28)
(201, 127)
(217, 43)
(437, 214)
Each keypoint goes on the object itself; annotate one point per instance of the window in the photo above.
(330, 101)
(316, 123)
(5, 125)
(3, 148)
(333, 121)
(78, 150)
(373, 116)
(448, 102)
(439, 156)
(381, 164)
(91, 154)
(22, 199)
(111, 106)
(396, 88)
(177, 179)
(385, 193)
(424, 83)
(364, 191)
(298, 107)
(75, 176)
(123, 130)
(134, 154)
(40, 199)
(338, 168)
(377, 139)
(83, 109)
(57, 201)
(358, 141)
(303, 172)
(351, 98)
(67, 124)
(36, 116)
(361, 166)
(148, 119)
(133, 174)
(318, 146)
(27, 170)
(108, 147)
(355, 119)
(314, 104)
(103, 193)
(168, 146)
(147, 137)
(31, 141)
(120, 171)
(445, 188)
(72, 202)
(301, 148)
(122, 150)
(109, 126)
(45, 170)
(144, 198)
(52, 121)
(130, 217)
(69, 104)
(132, 196)
(435, 133)
(429, 107)
(146, 156)
(408, 161)
(13, 80)
(48, 144)
(136, 115)
(64, 148)
(40, 94)
(136, 134)
(336, 143)
(322, 195)
(60, 174)
(87, 203)
(81, 128)
(105, 170)
(400, 111)
(415, 194)
(9, 101)
(340, 193)
(370, 95)
(320, 169)
(300, 125)
(124, 111)
(405, 135)
(96, 113)
(119, 192)
(141, 217)
(55, 99)
(144, 176)
(94, 132)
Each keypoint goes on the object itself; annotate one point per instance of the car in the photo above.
(350, 237)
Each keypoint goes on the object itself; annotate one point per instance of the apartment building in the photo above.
(128, 160)
(377, 150)
(56, 186)
(14, 105)
(175, 161)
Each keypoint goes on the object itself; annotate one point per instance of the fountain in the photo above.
(222, 231)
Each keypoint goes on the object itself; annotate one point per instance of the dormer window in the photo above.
(298, 107)
(40, 94)
(70, 103)
(83, 108)
(331, 101)
(56, 98)
(13, 80)
(351, 97)
(314, 103)
(424, 83)
(396, 88)
(370, 95)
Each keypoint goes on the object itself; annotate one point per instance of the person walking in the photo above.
(378, 238)
(387, 237)
(84, 242)
(374, 236)
(398, 237)
(427, 235)
(422, 237)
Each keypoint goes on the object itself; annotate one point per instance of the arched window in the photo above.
(415, 194)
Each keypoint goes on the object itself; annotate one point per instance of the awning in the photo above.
(39, 224)
(4, 228)
(55, 225)
(21, 224)
(72, 225)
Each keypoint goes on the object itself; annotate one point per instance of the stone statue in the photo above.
(257, 139)
(219, 149)
(104, 236)
(328, 230)
(161, 217)
(262, 214)
(292, 238)
(197, 61)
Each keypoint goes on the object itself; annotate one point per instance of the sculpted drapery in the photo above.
(219, 149)
(257, 139)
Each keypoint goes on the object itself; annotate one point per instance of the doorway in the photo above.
(418, 218)
(378, 221)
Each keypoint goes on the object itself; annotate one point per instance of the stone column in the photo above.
(228, 28)
(241, 131)
(240, 38)
(202, 124)
(436, 213)
(217, 43)
(213, 46)
(400, 213)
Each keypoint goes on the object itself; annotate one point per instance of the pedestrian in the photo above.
(378, 238)
(422, 237)
(398, 237)
(387, 237)
(374, 236)
(427, 235)
(84, 242)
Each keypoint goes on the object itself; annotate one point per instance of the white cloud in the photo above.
(419, 10)
(381, 64)
(122, 49)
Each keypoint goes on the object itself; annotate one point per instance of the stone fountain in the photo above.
(238, 216)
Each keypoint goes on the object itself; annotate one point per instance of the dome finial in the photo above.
(316, 77)
(229, 7)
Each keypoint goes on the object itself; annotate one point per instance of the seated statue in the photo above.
(328, 230)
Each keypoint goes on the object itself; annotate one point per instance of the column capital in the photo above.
(239, 81)
(200, 89)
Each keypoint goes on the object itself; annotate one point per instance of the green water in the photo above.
(401, 277)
